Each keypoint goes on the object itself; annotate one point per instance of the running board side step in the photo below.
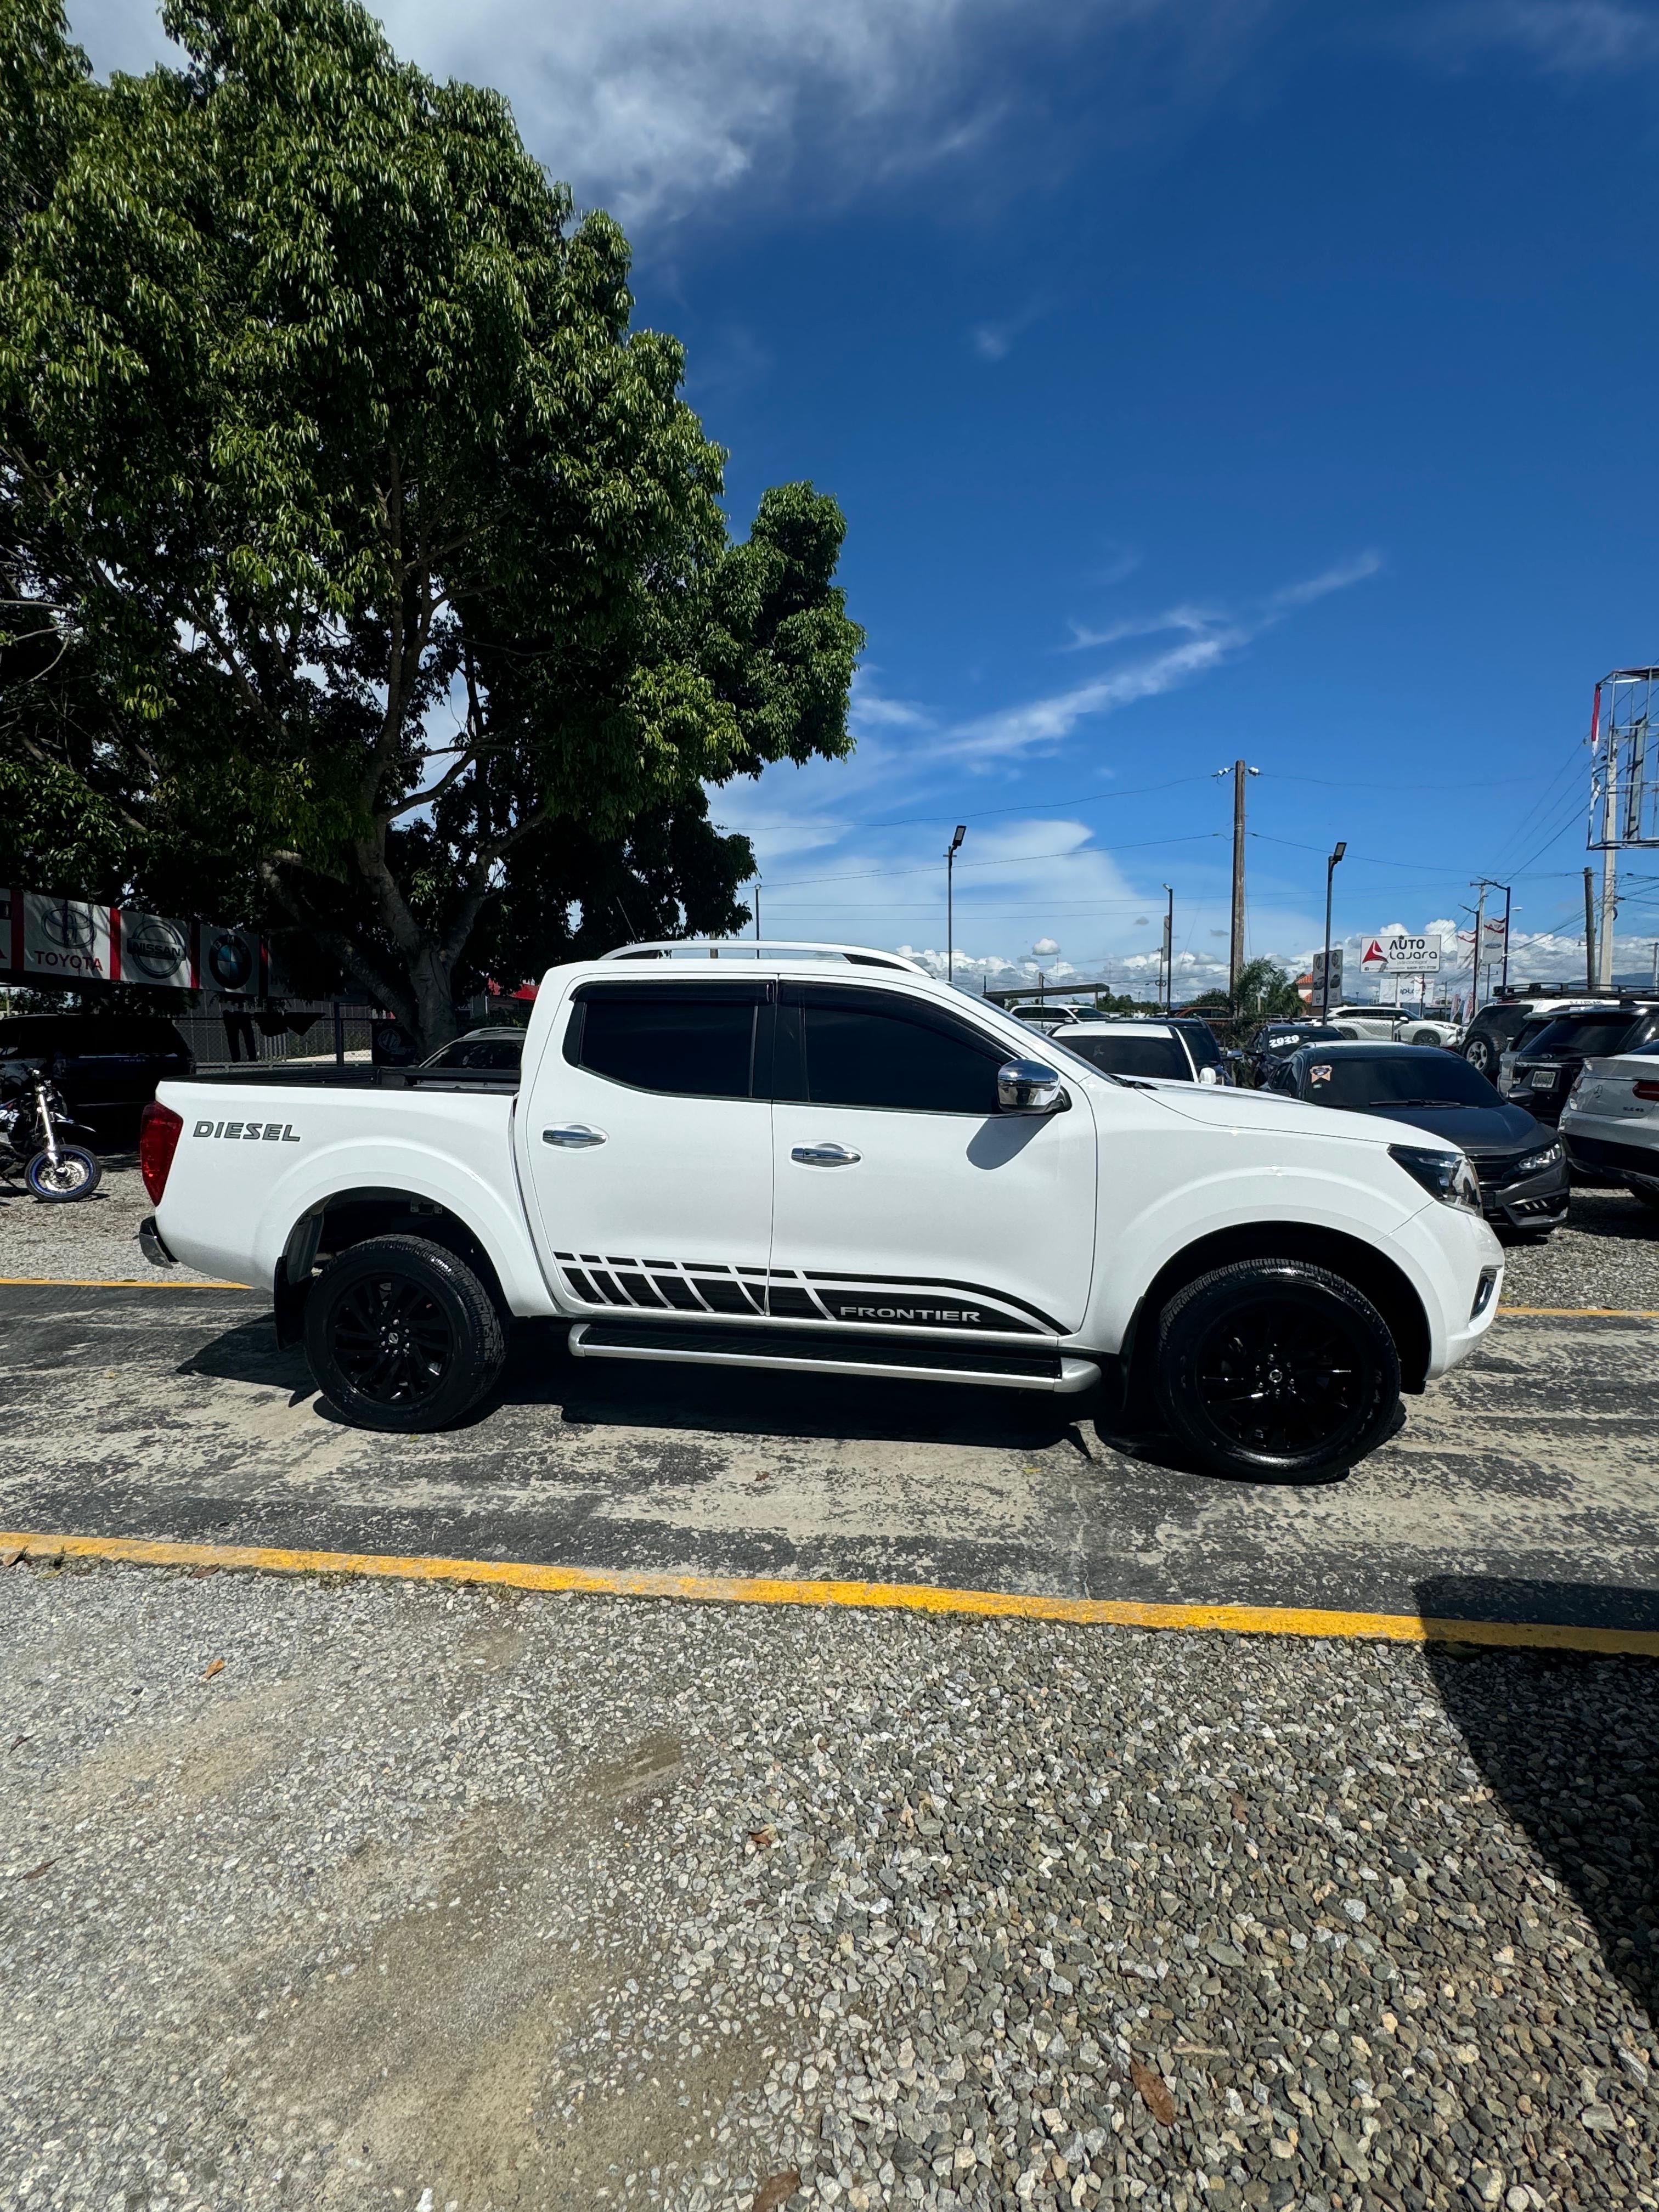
(807, 1351)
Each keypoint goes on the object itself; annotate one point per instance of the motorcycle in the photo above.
(33, 1120)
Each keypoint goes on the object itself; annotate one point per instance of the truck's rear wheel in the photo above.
(1277, 1368)
(401, 1334)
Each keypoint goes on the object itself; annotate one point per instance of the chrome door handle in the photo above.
(825, 1155)
(574, 1136)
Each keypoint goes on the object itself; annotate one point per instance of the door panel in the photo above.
(949, 1215)
(652, 1189)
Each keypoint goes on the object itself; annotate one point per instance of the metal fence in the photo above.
(300, 1029)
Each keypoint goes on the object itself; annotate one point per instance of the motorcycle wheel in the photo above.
(76, 1175)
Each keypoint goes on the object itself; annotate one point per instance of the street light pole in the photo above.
(950, 902)
(1330, 871)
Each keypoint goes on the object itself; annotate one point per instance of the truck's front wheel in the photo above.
(401, 1334)
(1277, 1368)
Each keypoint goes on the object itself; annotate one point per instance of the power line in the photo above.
(1013, 860)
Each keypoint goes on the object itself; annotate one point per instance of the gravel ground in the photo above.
(383, 1895)
(93, 1240)
(1609, 1255)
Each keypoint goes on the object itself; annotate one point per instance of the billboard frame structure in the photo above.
(1624, 808)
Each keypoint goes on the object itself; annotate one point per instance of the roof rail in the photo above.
(713, 948)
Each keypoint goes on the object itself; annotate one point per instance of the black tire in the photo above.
(1481, 1053)
(76, 1175)
(1645, 1187)
(402, 1335)
(1277, 1368)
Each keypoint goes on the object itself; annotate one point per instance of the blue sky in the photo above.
(1233, 377)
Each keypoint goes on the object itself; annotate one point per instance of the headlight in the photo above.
(1535, 1163)
(1445, 1176)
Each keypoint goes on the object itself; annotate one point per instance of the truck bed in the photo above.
(310, 1076)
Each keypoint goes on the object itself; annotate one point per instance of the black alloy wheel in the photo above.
(1277, 1368)
(401, 1334)
(392, 1341)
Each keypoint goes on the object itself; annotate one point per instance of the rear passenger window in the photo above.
(866, 1049)
(689, 1042)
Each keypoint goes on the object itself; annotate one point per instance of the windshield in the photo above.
(1438, 1078)
(1589, 1034)
(1125, 1054)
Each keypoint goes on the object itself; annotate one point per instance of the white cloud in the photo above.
(647, 106)
(1210, 635)
(1564, 38)
(1044, 946)
(1044, 722)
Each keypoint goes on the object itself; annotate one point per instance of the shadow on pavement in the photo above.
(1570, 1743)
(639, 1394)
(719, 1402)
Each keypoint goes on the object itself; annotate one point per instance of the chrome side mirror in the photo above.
(1028, 1086)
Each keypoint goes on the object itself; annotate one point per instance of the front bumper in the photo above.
(1458, 1267)
(1534, 1201)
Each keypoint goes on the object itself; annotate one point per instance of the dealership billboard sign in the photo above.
(1396, 952)
(81, 941)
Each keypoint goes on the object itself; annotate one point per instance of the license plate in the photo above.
(1543, 1079)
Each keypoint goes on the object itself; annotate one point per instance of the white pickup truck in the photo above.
(820, 1158)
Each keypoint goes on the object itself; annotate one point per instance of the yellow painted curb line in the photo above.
(108, 1283)
(1587, 1313)
(902, 1598)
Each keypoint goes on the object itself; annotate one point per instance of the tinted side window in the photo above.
(692, 1045)
(866, 1049)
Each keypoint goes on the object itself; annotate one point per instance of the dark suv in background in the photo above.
(107, 1065)
(1502, 1019)
(1546, 1072)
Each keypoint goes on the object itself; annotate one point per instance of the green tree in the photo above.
(1265, 994)
(391, 560)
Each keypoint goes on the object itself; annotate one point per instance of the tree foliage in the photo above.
(373, 567)
(1265, 994)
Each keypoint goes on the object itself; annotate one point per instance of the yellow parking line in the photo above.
(109, 1283)
(902, 1598)
(1589, 1313)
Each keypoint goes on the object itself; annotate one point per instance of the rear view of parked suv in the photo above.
(1546, 1073)
(1499, 1025)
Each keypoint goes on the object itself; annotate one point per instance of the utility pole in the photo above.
(951, 851)
(1508, 894)
(1589, 930)
(757, 893)
(1486, 884)
(1609, 862)
(1330, 871)
(1238, 771)
(1169, 951)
